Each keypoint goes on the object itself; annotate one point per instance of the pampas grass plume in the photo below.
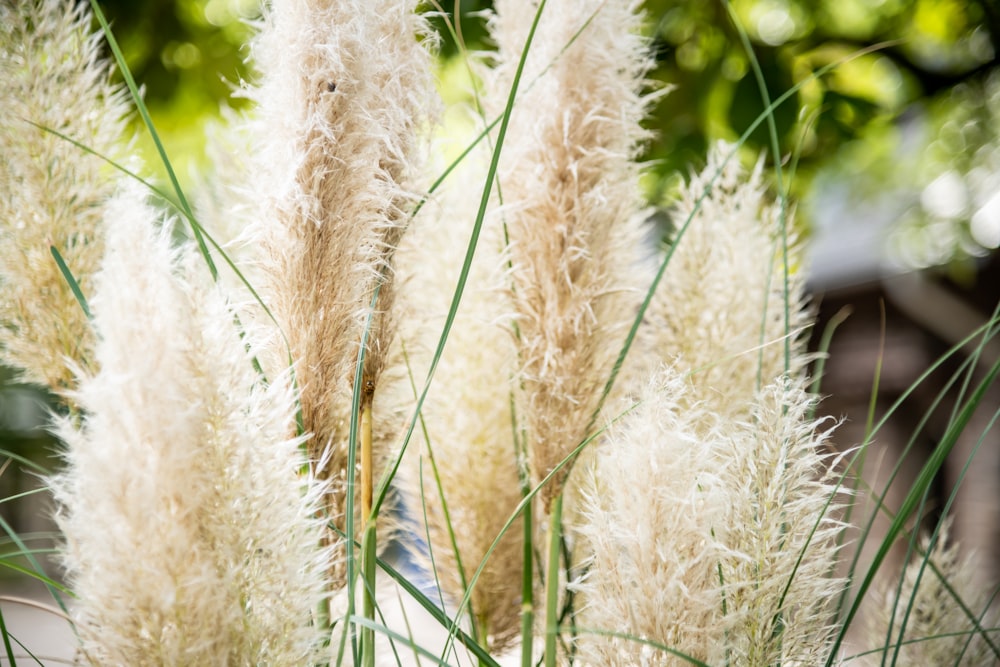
(650, 502)
(467, 414)
(720, 308)
(190, 532)
(345, 88)
(937, 630)
(718, 543)
(571, 199)
(52, 193)
(780, 538)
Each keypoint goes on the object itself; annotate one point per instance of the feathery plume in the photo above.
(780, 537)
(469, 423)
(937, 631)
(649, 504)
(720, 308)
(570, 186)
(52, 194)
(345, 89)
(190, 533)
(696, 534)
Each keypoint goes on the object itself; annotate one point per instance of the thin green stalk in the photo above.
(912, 547)
(772, 131)
(430, 606)
(368, 596)
(985, 332)
(148, 121)
(644, 642)
(368, 624)
(880, 498)
(552, 582)
(353, 440)
(6, 641)
(823, 351)
(368, 543)
(53, 587)
(935, 535)
(527, 575)
(527, 591)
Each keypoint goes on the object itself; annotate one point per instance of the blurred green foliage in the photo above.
(893, 54)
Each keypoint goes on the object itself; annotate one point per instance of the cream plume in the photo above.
(345, 90)
(937, 631)
(716, 543)
(720, 308)
(52, 193)
(190, 531)
(467, 413)
(571, 197)
(649, 505)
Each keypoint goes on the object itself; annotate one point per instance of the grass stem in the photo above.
(552, 582)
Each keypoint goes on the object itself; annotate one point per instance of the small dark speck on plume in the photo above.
(331, 87)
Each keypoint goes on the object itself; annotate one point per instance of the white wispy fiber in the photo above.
(696, 533)
(780, 538)
(937, 631)
(720, 308)
(570, 189)
(190, 531)
(650, 503)
(52, 193)
(345, 91)
(470, 429)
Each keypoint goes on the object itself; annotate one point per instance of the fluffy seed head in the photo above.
(937, 631)
(190, 532)
(571, 203)
(720, 308)
(51, 192)
(696, 532)
(345, 88)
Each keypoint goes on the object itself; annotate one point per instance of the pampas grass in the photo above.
(190, 534)
(572, 209)
(554, 414)
(920, 621)
(52, 193)
(335, 125)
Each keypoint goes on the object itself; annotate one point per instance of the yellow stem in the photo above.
(367, 464)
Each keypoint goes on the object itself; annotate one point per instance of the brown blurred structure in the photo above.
(903, 324)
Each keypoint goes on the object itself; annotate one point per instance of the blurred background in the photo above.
(892, 156)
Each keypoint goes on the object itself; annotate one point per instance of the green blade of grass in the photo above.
(148, 121)
(431, 608)
(879, 500)
(6, 453)
(552, 582)
(352, 458)
(71, 281)
(823, 349)
(926, 562)
(370, 625)
(32, 573)
(5, 634)
(772, 131)
(53, 587)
